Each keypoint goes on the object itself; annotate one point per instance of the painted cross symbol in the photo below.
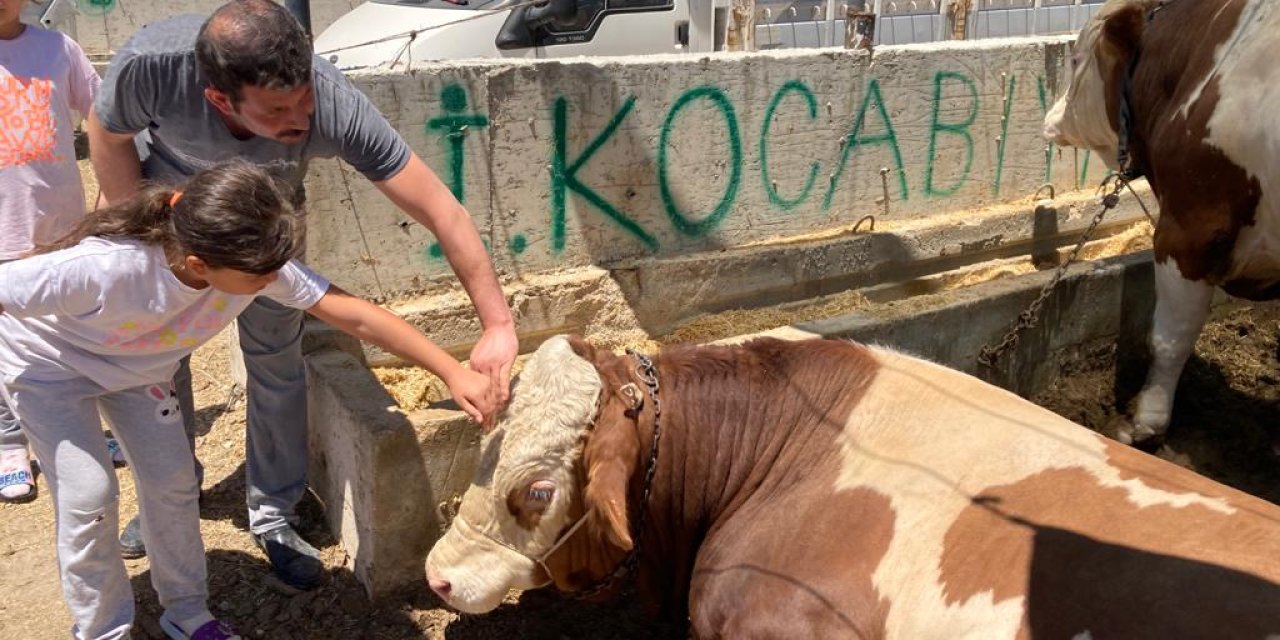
(454, 125)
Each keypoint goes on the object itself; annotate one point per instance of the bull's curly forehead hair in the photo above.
(253, 43)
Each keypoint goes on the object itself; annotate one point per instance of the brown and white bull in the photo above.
(1205, 101)
(825, 489)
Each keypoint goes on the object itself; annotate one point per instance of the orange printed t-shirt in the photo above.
(44, 78)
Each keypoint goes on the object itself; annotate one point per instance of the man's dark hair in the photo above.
(254, 43)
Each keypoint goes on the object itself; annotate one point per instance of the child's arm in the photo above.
(367, 321)
(84, 81)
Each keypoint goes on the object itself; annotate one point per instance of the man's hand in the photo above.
(493, 356)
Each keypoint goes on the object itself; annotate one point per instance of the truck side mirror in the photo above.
(541, 15)
(522, 25)
(514, 33)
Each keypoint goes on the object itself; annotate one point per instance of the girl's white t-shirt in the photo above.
(112, 311)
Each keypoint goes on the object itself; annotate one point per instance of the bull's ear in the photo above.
(1123, 29)
(581, 347)
(611, 457)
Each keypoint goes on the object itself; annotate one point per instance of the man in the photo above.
(185, 93)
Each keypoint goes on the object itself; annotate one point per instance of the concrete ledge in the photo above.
(378, 472)
(794, 270)
(1105, 304)
(638, 296)
(1097, 303)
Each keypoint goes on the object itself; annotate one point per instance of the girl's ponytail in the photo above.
(233, 215)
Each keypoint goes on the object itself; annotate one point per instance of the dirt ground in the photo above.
(1225, 411)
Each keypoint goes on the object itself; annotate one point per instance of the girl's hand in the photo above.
(473, 391)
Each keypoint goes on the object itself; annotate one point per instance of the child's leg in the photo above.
(186, 402)
(61, 422)
(132, 544)
(148, 423)
(11, 436)
(16, 481)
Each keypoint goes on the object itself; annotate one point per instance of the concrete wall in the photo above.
(604, 162)
(103, 25)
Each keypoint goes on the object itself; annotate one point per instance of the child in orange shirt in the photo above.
(45, 78)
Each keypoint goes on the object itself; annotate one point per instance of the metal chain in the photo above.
(1128, 171)
(649, 375)
(1028, 318)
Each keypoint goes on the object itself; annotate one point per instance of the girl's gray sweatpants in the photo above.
(61, 422)
(11, 436)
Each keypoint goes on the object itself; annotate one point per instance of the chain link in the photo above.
(649, 375)
(1031, 315)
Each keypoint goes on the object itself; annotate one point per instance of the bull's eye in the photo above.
(541, 491)
(529, 503)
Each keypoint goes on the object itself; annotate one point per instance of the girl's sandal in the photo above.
(211, 630)
(117, 454)
(15, 472)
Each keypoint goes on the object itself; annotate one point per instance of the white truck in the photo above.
(401, 32)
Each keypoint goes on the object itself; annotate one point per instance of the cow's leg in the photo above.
(1181, 308)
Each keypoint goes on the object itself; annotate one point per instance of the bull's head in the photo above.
(549, 501)
(1084, 115)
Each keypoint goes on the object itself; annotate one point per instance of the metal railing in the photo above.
(820, 23)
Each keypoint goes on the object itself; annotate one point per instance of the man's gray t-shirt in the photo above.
(154, 84)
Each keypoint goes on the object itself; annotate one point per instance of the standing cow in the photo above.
(824, 489)
(1201, 79)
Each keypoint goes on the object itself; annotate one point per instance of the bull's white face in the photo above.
(526, 486)
(1079, 118)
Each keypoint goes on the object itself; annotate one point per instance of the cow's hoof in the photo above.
(1140, 436)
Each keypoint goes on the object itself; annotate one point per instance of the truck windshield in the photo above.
(487, 5)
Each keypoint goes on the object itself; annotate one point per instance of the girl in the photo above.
(46, 86)
(99, 321)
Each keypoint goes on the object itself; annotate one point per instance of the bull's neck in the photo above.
(715, 450)
(735, 430)
(1173, 67)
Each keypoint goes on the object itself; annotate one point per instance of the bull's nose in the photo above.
(441, 587)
